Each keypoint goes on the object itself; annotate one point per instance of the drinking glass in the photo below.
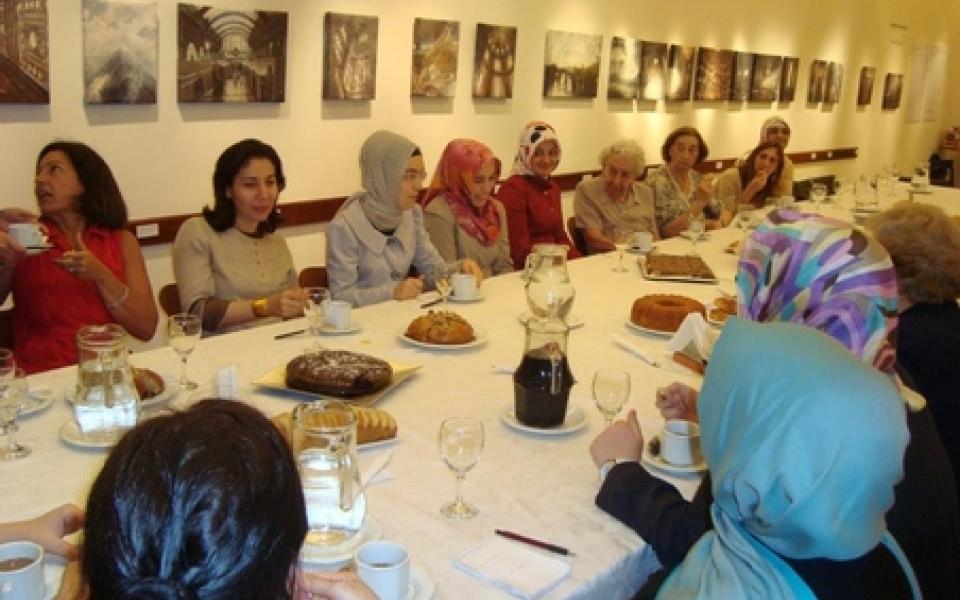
(314, 307)
(818, 193)
(13, 388)
(443, 280)
(744, 216)
(621, 239)
(461, 442)
(183, 333)
(611, 390)
(696, 228)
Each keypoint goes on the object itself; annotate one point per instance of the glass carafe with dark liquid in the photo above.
(541, 384)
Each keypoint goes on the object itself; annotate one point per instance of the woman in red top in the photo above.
(532, 200)
(93, 272)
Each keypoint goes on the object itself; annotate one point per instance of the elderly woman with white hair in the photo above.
(615, 200)
(775, 129)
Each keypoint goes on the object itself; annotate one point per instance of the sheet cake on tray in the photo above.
(676, 267)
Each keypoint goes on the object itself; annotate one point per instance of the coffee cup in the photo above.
(464, 286)
(21, 571)
(642, 241)
(27, 235)
(681, 442)
(385, 567)
(337, 314)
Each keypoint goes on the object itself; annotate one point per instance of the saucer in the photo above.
(337, 558)
(574, 421)
(573, 320)
(38, 398)
(689, 235)
(476, 298)
(70, 433)
(642, 329)
(657, 462)
(421, 584)
(34, 250)
(327, 329)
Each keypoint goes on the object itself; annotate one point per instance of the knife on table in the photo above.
(634, 350)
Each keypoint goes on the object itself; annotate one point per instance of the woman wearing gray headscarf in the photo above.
(378, 233)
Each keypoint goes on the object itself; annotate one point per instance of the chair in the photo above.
(313, 277)
(576, 235)
(6, 328)
(169, 298)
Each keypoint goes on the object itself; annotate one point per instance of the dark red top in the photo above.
(534, 216)
(51, 304)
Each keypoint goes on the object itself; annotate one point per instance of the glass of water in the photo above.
(461, 442)
(314, 306)
(443, 280)
(183, 333)
(696, 228)
(621, 239)
(611, 390)
(13, 389)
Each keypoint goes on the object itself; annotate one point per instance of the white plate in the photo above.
(71, 434)
(377, 444)
(336, 559)
(686, 234)
(658, 463)
(171, 385)
(573, 319)
(421, 584)
(38, 398)
(479, 338)
(476, 298)
(655, 332)
(327, 329)
(574, 421)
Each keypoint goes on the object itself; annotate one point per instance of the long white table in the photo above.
(540, 486)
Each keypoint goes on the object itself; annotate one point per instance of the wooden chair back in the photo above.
(576, 236)
(313, 277)
(169, 298)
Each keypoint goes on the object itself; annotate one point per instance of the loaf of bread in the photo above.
(149, 383)
(440, 327)
(373, 424)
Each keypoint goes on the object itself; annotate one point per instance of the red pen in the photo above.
(524, 539)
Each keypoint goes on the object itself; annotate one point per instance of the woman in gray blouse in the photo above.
(378, 233)
(231, 268)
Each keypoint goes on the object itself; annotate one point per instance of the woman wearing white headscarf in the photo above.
(775, 129)
(378, 233)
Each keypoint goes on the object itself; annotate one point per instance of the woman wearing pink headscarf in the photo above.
(775, 129)
(531, 198)
(461, 215)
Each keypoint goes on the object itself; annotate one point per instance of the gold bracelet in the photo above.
(260, 307)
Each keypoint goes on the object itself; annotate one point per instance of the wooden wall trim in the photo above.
(162, 230)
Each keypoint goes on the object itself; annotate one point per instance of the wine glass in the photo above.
(611, 390)
(314, 304)
(696, 228)
(183, 333)
(13, 387)
(621, 239)
(442, 280)
(461, 442)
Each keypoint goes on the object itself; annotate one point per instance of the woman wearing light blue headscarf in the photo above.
(803, 468)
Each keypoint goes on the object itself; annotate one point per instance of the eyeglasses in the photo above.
(775, 130)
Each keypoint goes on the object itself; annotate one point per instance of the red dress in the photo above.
(50, 304)
(534, 216)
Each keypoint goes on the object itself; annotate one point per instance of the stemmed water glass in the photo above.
(183, 333)
(461, 442)
(621, 239)
(611, 390)
(314, 304)
(442, 280)
(696, 228)
(13, 386)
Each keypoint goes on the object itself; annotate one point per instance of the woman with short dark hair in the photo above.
(231, 267)
(93, 271)
(680, 192)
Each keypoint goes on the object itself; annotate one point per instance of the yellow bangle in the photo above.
(260, 307)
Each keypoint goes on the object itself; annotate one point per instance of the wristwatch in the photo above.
(610, 463)
(260, 307)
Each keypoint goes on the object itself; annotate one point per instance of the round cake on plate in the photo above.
(663, 312)
(338, 373)
(441, 327)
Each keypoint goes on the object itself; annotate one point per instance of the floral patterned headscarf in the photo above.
(534, 133)
(459, 163)
(826, 274)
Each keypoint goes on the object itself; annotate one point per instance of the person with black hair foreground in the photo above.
(92, 261)
(231, 267)
(174, 516)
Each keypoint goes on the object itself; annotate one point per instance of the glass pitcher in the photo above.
(325, 446)
(542, 382)
(107, 399)
(549, 291)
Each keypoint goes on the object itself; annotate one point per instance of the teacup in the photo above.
(27, 235)
(385, 567)
(337, 314)
(680, 444)
(21, 571)
(786, 202)
(464, 286)
(642, 241)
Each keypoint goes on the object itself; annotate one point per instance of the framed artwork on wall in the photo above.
(571, 66)
(436, 46)
(743, 75)
(766, 78)
(493, 61)
(226, 55)
(680, 61)
(120, 52)
(788, 78)
(892, 88)
(624, 80)
(24, 52)
(834, 82)
(714, 77)
(349, 56)
(865, 89)
(653, 70)
(818, 81)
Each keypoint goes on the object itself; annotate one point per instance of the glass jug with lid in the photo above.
(107, 399)
(325, 447)
(542, 382)
(548, 287)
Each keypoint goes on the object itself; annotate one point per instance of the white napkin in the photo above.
(225, 382)
(511, 567)
(695, 338)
